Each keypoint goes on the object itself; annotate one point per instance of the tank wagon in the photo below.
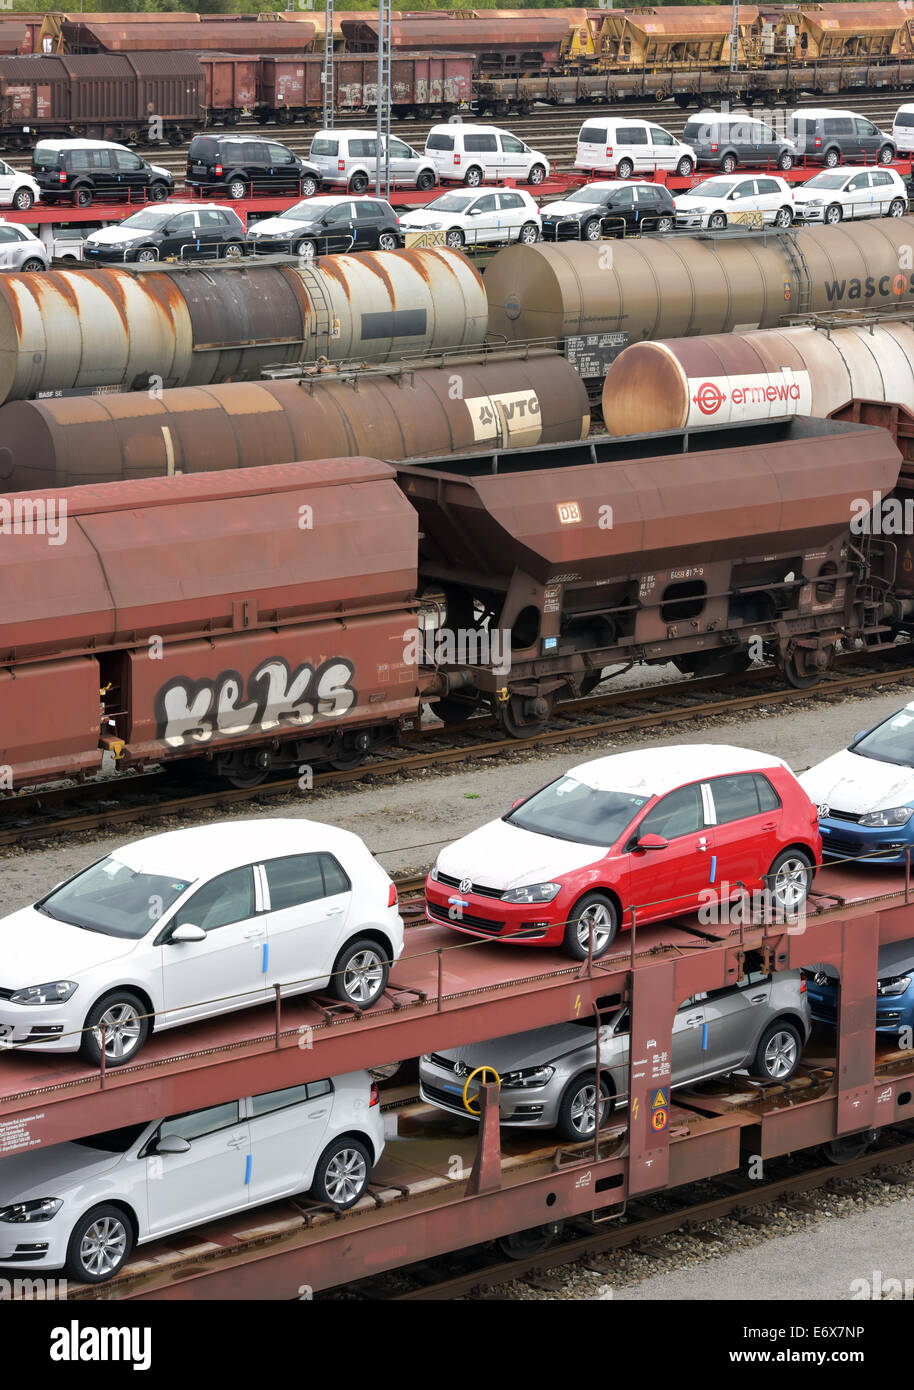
(184, 326)
(238, 617)
(683, 286)
(461, 405)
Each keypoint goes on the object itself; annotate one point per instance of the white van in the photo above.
(611, 145)
(473, 154)
(903, 129)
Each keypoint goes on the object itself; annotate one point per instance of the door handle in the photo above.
(253, 932)
(695, 1020)
(334, 911)
(237, 1142)
(770, 825)
(758, 998)
(702, 843)
(316, 1114)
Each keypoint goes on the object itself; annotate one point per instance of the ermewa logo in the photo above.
(755, 396)
(75, 1343)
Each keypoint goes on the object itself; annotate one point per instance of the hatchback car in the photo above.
(548, 1076)
(865, 793)
(193, 923)
(81, 171)
(726, 202)
(608, 207)
(17, 190)
(614, 145)
(464, 152)
(894, 989)
(187, 231)
(349, 159)
(835, 137)
(659, 831)
(903, 129)
(472, 219)
(724, 140)
(21, 249)
(320, 226)
(243, 165)
(849, 193)
(83, 1206)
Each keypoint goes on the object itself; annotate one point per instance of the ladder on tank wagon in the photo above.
(801, 269)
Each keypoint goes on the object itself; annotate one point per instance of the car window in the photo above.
(735, 797)
(650, 196)
(631, 135)
(486, 204)
(369, 212)
(880, 178)
(510, 200)
(744, 190)
(892, 741)
(339, 212)
(768, 186)
(511, 145)
(838, 126)
(761, 134)
(253, 152)
(479, 144)
(860, 181)
(125, 160)
(200, 1122)
(212, 218)
(398, 150)
(322, 145)
(112, 898)
(437, 140)
(661, 137)
(678, 813)
(362, 149)
(294, 880)
(184, 222)
(225, 899)
(623, 199)
(272, 1101)
(570, 810)
(336, 880)
(865, 127)
(768, 799)
(280, 155)
(11, 234)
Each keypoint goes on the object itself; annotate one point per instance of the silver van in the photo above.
(348, 159)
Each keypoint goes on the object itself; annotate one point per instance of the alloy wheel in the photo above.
(103, 1246)
(345, 1176)
(363, 976)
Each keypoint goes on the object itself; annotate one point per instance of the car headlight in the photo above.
(24, 1213)
(898, 815)
(532, 893)
(55, 992)
(698, 208)
(898, 984)
(530, 1076)
(813, 202)
(429, 227)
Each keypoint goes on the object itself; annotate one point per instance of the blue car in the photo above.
(894, 991)
(865, 794)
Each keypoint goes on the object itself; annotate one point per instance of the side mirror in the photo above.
(515, 804)
(187, 932)
(648, 842)
(172, 1144)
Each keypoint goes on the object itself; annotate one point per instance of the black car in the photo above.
(609, 208)
(240, 165)
(320, 226)
(725, 141)
(186, 231)
(839, 137)
(81, 171)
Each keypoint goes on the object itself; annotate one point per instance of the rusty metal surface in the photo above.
(83, 328)
(242, 36)
(686, 285)
(720, 378)
(461, 405)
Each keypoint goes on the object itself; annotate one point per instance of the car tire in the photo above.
(785, 161)
(455, 239)
(832, 158)
(624, 169)
(309, 186)
(341, 1173)
(577, 1108)
(426, 180)
(358, 183)
(717, 222)
(666, 223)
(82, 197)
(127, 1012)
(595, 913)
(728, 164)
(833, 214)
(146, 255)
(778, 1053)
(158, 192)
(685, 166)
(473, 176)
(306, 250)
(592, 229)
(528, 234)
(237, 189)
(360, 973)
(23, 199)
(232, 251)
(388, 241)
(783, 217)
(537, 174)
(789, 880)
(886, 154)
(33, 263)
(898, 207)
(100, 1245)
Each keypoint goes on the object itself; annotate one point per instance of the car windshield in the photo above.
(451, 202)
(712, 188)
(569, 810)
(111, 898)
(113, 1141)
(306, 211)
(586, 195)
(825, 181)
(892, 741)
(146, 221)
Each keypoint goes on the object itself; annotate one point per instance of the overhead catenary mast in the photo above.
(382, 166)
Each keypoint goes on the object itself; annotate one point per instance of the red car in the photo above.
(665, 831)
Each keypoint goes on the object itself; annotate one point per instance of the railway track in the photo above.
(115, 802)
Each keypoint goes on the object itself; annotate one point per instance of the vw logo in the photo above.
(461, 1069)
(823, 812)
(821, 978)
(465, 885)
(709, 398)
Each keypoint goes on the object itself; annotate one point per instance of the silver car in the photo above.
(548, 1075)
(20, 249)
(348, 159)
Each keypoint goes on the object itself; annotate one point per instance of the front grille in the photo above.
(7, 993)
(445, 1063)
(477, 888)
(447, 1098)
(844, 815)
(466, 919)
(834, 844)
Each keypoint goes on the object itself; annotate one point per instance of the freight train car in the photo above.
(246, 619)
(186, 326)
(498, 45)
(425, 84)
(83, 35)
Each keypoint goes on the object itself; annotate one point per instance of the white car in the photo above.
(470, 219)
(17, 190)
(625, 146)
(83, 1206)
(850, 192)
(472, 154)
(193, 923)
(21, 249)
(735, 200)
(903, 129)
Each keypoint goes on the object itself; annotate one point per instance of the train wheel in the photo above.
(798, 671)
(243, 770)
(519, 720)
(848, 1147)
(520, 1245)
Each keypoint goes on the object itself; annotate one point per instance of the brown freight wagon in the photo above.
(498, 45)
(243, 36)
(421, 84)
(231, 84)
